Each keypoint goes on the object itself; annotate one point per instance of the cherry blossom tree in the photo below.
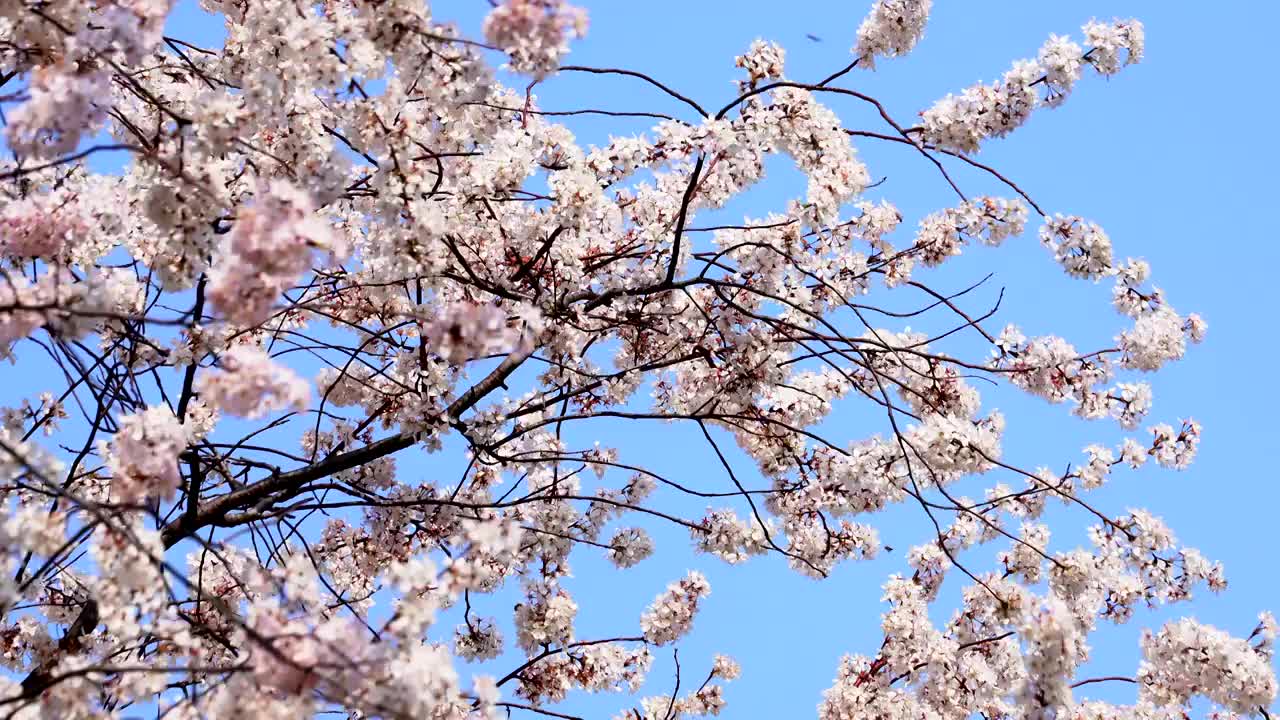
(351, 239)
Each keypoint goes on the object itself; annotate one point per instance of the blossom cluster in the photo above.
(271, 246)
(962, 122)
(670, 617)
(990, 220)
(534, 33)
(892, 28)
(143, 455)
(251, 385)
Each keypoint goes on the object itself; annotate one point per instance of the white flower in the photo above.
(892, 28)
(1186, 658)
(763, 61)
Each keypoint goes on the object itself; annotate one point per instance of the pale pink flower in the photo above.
(250, 384)
(272, 244)
(144, 455)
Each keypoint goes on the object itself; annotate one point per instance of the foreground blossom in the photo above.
(144, 455)
(271, 247)
(251, 385)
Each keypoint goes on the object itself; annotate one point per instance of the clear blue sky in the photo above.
(1167, 156)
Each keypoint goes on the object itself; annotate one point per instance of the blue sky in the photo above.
(1167, 156)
